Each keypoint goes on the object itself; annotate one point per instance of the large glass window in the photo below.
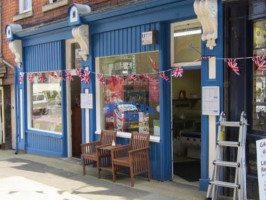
(259, 77)
(128, 105)
(45, 103)
(186, 43)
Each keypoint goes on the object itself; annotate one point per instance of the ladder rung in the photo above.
(225, 163)
(230, 124)
(228, 144)
(224, 184)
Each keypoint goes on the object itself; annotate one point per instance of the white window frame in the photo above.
(184, 64)
(22, 6)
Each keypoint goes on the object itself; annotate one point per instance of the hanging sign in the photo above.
(261, 167)
(148, 38)
(86, 101)
(211, 100)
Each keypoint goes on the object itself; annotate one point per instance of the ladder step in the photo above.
(230, 124)
(225, 163)
(228, 144)
(224, 184)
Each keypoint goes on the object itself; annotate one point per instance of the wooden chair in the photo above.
(89, 153)
(134, 156)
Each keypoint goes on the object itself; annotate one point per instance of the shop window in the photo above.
(25, 5)
(259, 77)
(126, 105)
(45, 111)
(185, 43)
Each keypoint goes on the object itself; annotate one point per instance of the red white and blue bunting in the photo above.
(84, 75)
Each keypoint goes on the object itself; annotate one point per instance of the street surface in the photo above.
(31, 177)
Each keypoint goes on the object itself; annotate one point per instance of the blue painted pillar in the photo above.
(218, 81)
(165, 106)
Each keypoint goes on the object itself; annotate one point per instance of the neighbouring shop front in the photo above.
(140, 68)
(246, 39)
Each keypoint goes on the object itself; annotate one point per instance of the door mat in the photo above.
(189, 171)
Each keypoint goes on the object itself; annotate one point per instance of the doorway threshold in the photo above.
(180, 180)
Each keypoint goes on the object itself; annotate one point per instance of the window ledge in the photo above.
(23, 15)
(128, 135)
(52, 6)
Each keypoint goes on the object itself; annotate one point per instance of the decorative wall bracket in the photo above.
(206, 10)
(16, 48)
(10, 31)
(76, 12)
(81, 34)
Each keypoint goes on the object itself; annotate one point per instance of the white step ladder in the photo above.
(239, 185)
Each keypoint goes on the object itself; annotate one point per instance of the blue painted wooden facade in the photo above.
(112, 33)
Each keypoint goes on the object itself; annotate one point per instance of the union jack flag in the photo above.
(132, 77)
(59, 74)
(260, 62)
(31, 77)
(86, 77)
(68, 75)
(147, 76)
(178, 72)
(164, 76)
(233, 65)
(100, 78)
(53, 74)
(21, 77)
(153, 63)
(79, 72)
(40, 78)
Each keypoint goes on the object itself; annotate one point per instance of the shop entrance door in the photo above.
(2, 117)
(186, 123)
(76, 117)
(186, 101)
(73, 61)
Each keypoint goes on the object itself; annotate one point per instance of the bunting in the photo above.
(177, 72)
(21, 77)
(68, 75)
(86, 77)
(233, 65)
(260, 62)
(164, 76)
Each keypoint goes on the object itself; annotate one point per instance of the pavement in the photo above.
(33, 177)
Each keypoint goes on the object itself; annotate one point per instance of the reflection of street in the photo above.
(52, 121)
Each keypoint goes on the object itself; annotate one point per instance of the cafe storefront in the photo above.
(126, 77)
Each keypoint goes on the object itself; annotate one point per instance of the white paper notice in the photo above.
(211, 100)
(86, 101)
(261, 167)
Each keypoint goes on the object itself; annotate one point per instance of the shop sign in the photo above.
(148, 38)
(261, 167)
(86, 101)
(211, 100)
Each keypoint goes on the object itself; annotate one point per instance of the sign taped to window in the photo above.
(86, 101)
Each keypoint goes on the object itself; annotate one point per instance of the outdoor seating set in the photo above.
(116, 157)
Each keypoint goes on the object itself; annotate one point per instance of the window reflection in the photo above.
(259, 77)
(130, 105)
(46, 113)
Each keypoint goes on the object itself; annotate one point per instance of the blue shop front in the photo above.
(140, 67)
